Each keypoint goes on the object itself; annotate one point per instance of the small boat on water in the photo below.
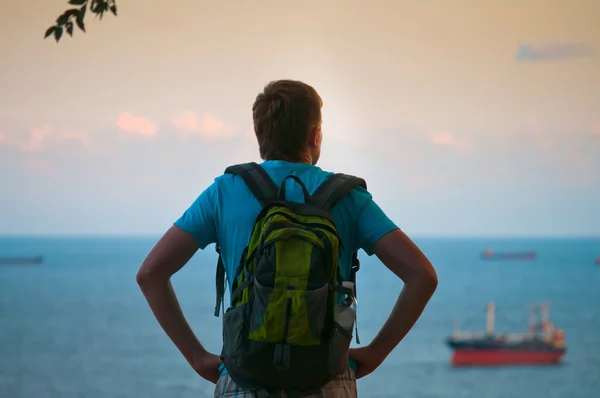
(491, 254)
(542, 344)
(37, 260)
(598, 261)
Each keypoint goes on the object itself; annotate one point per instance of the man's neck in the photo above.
(302, 159)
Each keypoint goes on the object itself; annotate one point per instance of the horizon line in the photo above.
(413, 236)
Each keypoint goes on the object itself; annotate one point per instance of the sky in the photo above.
(466, 118)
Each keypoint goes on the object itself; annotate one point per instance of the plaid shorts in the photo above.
(343, 386)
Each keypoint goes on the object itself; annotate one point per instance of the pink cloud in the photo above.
(187, 121)
(207, 125)
(596, 129)
(136, 124)
(37, 139)
(447, 139)
(76, 135)
(41, 137)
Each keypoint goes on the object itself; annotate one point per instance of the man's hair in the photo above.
(283, 114)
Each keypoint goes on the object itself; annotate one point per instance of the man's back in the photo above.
(226, 211)
(288, 126)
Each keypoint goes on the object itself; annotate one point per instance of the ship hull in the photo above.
(21, 260)
(491, 352)
(473, 357)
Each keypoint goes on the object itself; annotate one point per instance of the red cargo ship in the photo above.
(542, 344)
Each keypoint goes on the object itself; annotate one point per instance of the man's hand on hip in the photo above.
(207, 366)
(366, 360)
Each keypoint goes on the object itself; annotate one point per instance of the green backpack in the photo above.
(279, 331)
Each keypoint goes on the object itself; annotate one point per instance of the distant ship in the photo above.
(490, 254)
(21, 260)
(542, 344)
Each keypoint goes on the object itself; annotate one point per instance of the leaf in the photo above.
(49, 31)
(80, 24)
(82, 11)
(58, 33)
(79, 19)
(76, 16)
(62, 19)
(73, 12)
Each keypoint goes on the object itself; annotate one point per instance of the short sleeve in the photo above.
(371, 225)
(199, 219)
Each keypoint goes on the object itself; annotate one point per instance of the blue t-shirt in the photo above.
(226, 211)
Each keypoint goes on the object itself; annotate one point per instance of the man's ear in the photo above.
(314, 137)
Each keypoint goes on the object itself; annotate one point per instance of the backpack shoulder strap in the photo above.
(220, 282)
(258, 181)
(329, 193)
(265, 191)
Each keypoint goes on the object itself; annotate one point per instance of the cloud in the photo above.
(207, 126)
(37, 138)
(41, 137)
(595, 129)
(553, 51)
(447, 139)
(3, 138)
(136, 124)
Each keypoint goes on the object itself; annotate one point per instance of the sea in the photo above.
(78, 326)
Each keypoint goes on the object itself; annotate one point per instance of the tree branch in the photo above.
(76, 15)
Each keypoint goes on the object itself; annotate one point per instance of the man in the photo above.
(287, 123)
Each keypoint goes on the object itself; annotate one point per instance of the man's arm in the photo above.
(401, 256)
(167, 257)
(377, 234)
(195, 229)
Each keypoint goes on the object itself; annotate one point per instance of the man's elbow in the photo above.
(142, 277)
(429, 279)
(432, 279)
(146, 276)
(424, 278)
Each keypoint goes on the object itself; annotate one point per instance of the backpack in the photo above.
(279, 331)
